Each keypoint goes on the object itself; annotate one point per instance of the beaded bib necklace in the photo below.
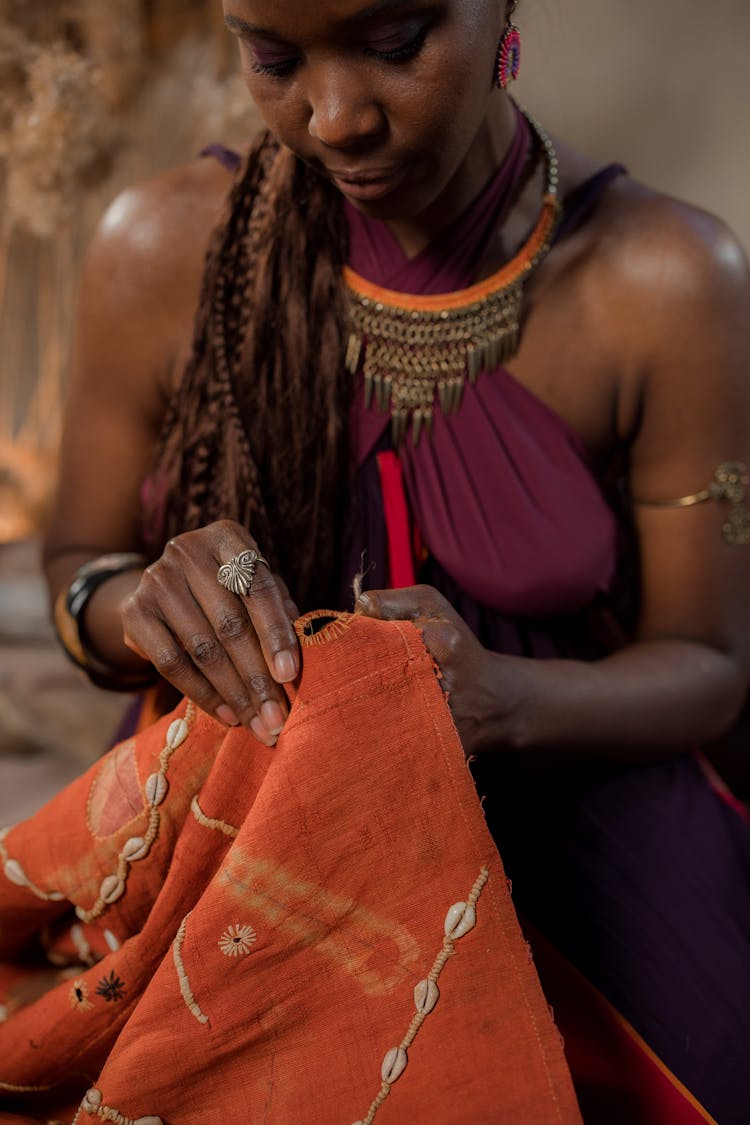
(416, 350)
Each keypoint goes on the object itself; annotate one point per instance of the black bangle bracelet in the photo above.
(68, 618)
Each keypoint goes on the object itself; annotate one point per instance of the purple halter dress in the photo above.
(639, 877)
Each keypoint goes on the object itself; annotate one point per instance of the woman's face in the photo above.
(388, 99)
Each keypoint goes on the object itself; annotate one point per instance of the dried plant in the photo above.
(57, 136)
(91, 96)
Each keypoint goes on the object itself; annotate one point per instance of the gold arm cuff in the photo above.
(730, 482)
(680, 502)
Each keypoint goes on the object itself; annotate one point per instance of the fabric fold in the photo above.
(281, 935)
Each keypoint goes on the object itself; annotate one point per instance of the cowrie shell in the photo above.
(156, 788)
(111, 889)
(111, 941)
(92, 1099)
(135, 848)
(149, 1121)
(426, 996)
(459, 920)
(3, 1013)
(15, 873)
(394, 1064)
(177, 733)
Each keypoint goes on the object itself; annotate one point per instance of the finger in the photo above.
(289, 604)
(411, 603)
(232, 649)
(130, 643)
(222, 641)
(265, 605)
(248, 689)
(158, 644)
(185, 651)
(443, 640)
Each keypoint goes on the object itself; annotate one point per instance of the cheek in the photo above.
(280, 113)
(448, 94)
(446, 106)
(274, 100)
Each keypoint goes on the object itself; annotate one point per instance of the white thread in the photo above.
(209, 822)
(187, 993)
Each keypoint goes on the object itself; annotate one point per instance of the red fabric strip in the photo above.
(397, 522)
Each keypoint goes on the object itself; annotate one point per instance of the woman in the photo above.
(620, 323)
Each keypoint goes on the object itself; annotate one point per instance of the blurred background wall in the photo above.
(95, 95)
(662, 86)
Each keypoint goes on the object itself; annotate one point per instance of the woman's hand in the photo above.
(484, 689)
(226, 652)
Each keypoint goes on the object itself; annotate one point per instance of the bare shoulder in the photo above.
(666, 250)
(141, 283)
(159, 229)
(673, 287)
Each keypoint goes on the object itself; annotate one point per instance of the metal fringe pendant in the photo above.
(410, 358)
(418, 351)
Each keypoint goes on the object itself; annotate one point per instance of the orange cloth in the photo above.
(252, 923)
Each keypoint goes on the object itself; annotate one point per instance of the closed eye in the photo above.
(276, 68)
(400, 52)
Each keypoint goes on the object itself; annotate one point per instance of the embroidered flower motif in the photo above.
(237, 940)
(111, 987)
(79, 996)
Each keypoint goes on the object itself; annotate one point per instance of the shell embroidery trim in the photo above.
(138, 847)
(80, 942)
(237, 940)
(187, 993)
(15, 874)
(209, 822)
(458, 921)
(93, 1104)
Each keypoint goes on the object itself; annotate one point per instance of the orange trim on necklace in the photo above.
(436, 302)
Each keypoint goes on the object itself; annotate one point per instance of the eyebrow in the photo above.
(243, 27)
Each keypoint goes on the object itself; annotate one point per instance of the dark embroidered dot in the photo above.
(79, 996)
(111, 987)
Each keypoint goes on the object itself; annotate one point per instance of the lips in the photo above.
(367, 184)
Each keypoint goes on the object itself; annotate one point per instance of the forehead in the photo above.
(300, 18)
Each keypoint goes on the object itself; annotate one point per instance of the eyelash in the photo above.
(404, 53)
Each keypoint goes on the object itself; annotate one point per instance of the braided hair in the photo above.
(257, 431)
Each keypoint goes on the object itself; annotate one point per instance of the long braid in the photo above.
(257, 430)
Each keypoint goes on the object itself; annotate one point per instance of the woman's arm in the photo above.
(134, 333)
(683, 296)
(133, 329)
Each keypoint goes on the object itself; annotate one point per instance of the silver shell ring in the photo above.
(237, 575)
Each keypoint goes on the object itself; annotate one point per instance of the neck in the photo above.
(485, 154)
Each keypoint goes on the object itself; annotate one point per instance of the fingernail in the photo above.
(227, 715)
(284, 666)
(261, 731)
(273, 716)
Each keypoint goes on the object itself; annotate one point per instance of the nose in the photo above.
(343, 112)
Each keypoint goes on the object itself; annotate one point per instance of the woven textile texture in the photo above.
(201, 929)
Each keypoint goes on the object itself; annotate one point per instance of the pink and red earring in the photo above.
(508, 57)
